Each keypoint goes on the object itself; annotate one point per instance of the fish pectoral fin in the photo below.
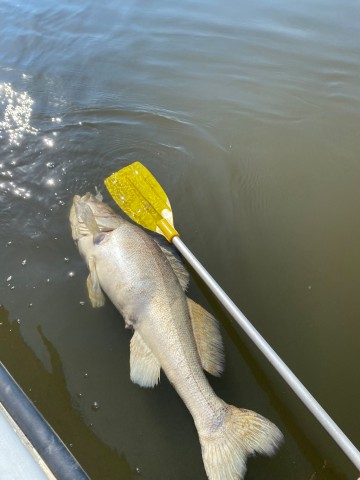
(144, 367)
(96, 296)
(208, 339)
(86, 215)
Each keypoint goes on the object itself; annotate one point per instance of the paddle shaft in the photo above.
(304, 395)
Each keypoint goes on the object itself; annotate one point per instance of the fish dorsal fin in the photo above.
(208, 339)
(178, 267)
(144, 367)
(174, 259)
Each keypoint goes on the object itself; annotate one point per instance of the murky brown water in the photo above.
(248, 114)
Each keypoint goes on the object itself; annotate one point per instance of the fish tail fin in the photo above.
(242, 433)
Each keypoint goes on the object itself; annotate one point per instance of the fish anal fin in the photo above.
(96, 296)
(144, 367)
(208, 339)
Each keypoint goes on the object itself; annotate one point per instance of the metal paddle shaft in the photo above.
(305, 396)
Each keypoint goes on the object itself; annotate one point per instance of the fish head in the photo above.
(89, 215)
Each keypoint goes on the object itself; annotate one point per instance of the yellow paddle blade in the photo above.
(140, 196)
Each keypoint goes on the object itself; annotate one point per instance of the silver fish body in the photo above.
(146, 284)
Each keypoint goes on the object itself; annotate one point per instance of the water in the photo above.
(248, 114)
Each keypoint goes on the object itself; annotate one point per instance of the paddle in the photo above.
(141, 197)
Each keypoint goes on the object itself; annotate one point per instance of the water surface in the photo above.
(248, 114)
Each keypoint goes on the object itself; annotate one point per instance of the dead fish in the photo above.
(146, 282)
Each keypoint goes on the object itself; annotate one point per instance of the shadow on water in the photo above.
(49, 393)
(324, 470)
(294, 418)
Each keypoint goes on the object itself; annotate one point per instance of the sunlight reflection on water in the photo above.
(16, 114)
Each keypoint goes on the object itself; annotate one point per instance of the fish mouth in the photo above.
(106, 219)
